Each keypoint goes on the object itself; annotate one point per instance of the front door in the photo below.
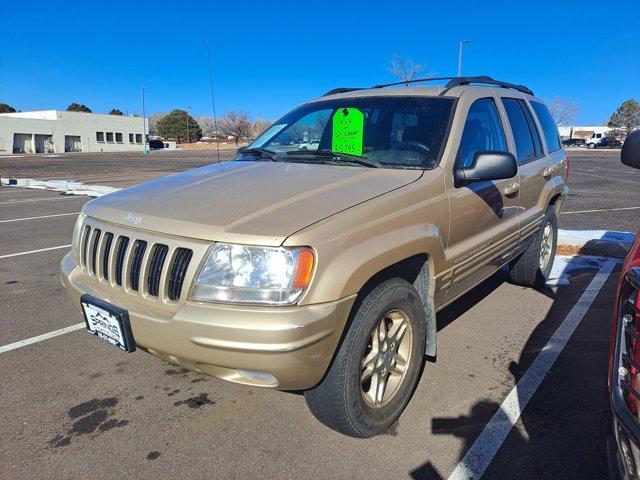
(484, 221)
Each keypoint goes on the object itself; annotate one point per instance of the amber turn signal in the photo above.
(304, 269)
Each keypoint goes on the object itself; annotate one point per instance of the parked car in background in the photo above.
(156, 144)
(594, 140)
(623, 445)
(573, 142)
(609, 142)
(310, 145)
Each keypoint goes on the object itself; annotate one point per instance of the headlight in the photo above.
(77, 230)
(245, 274)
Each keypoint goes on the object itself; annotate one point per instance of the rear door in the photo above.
(534, 165)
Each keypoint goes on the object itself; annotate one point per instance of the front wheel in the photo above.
(377, 366)
(533, 266)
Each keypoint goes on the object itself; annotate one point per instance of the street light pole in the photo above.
(462, 44)
(145, 151)
(188, 139)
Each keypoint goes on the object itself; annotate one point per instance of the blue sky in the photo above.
(271, 56)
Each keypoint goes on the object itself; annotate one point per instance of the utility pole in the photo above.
(145, 150)
(188, 139)
(462, 44)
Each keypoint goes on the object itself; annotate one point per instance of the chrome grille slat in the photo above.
(155, 269)
(94, 250)
(85, 244)
(139, 249)
(122, 250)
(106, 254)
(181, 262)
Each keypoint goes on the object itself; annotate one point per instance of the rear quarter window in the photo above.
(548, 126)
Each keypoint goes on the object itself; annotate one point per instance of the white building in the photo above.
(581, 132)
(54, 131)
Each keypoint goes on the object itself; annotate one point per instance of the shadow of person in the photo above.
(564, 418)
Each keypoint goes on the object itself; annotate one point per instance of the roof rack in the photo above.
(343, 90)
(453, 82)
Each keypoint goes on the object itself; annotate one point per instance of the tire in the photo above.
(342, 401)
(528, 269)
(591, 145)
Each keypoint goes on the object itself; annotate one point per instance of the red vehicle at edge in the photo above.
(623, 445)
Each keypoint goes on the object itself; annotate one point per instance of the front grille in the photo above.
(629, 340)
(138, 265)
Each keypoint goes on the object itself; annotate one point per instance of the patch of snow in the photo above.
(563, 265)
(604, 235)
(68, 187)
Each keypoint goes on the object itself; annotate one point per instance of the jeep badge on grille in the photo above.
(132, 218)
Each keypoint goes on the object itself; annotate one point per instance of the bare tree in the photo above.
(564, 110)
(153, 122)
(236, 124)
(259, 126)
(208, 126)
(404, 68)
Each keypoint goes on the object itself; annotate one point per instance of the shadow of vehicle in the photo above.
(561, 433)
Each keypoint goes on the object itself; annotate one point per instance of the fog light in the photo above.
(258, 377)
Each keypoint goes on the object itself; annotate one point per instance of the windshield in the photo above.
(392, 131)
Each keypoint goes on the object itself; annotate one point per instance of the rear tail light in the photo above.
(628, 348)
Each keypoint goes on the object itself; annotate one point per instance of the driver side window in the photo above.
(482, 132)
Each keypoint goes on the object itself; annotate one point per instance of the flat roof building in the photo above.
(55, 131)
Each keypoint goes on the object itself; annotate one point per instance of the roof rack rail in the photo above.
(453, 82)
(343, 90)
(457, 81)
(414, 80)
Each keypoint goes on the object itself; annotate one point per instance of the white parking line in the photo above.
(40, 338)
(43, 216)
(479, 456)
(599, 210)
(573, 170)
(33, 251)
(45, 199)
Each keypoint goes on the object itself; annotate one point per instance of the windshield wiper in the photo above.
(336, 155)
(260, 152)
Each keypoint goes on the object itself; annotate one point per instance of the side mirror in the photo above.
(240, 150)
(630, 154)
(487, 166)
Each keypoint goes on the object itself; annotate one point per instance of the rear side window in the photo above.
(548, 126)
(527, 149)
(482, 132)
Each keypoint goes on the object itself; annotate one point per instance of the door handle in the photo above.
(512, 189)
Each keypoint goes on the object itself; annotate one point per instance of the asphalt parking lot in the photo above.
(78, 407)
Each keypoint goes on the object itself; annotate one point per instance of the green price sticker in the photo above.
(348, 131)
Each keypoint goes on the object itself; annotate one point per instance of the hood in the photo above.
(259, 203)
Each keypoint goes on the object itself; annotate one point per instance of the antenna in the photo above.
(213, 102)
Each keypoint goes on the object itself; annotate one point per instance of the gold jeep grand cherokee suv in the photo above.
(322, 269)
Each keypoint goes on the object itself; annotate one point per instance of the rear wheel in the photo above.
(378, 365)
(533, 266)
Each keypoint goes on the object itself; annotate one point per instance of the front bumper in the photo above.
(293, 345)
